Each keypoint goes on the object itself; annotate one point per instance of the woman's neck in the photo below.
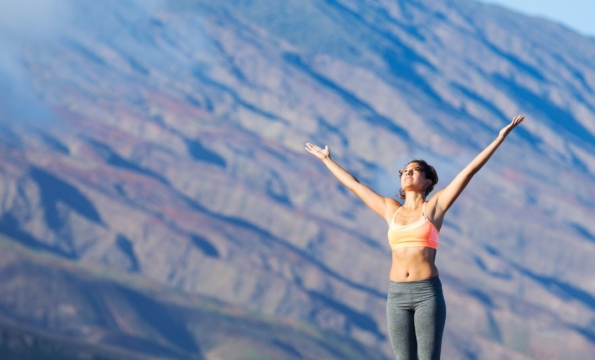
(413, 200)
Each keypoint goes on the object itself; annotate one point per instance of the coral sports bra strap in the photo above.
(395, 215)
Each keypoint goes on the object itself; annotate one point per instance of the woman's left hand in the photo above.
(508, 128)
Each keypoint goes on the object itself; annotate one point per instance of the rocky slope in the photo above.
(166, 140)
(59, 310)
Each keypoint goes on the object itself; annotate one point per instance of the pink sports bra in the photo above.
(419, 233)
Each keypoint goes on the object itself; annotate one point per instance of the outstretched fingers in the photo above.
(508, 128)
(310, 146)
(518, 119)
(317, 151)
(515, 121)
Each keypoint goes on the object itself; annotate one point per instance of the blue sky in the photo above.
(575, 14)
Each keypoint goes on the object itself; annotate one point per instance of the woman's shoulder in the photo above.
(392, 205)
(432, 212)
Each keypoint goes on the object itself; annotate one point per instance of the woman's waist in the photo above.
(413, 265)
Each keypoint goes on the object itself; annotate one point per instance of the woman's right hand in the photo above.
(318, 152)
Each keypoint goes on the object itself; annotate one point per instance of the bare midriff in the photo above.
(413, 264)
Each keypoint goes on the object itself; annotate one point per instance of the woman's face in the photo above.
(413, 178)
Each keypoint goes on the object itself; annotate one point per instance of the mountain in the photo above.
(81, 311)
(163, 141)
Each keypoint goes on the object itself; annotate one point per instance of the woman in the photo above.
(416, 311)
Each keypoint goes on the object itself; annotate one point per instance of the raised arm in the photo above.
(446, 197)
(376, 202)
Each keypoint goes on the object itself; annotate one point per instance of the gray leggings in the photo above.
(416, 314)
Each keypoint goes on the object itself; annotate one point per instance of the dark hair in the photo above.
(429, 173)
